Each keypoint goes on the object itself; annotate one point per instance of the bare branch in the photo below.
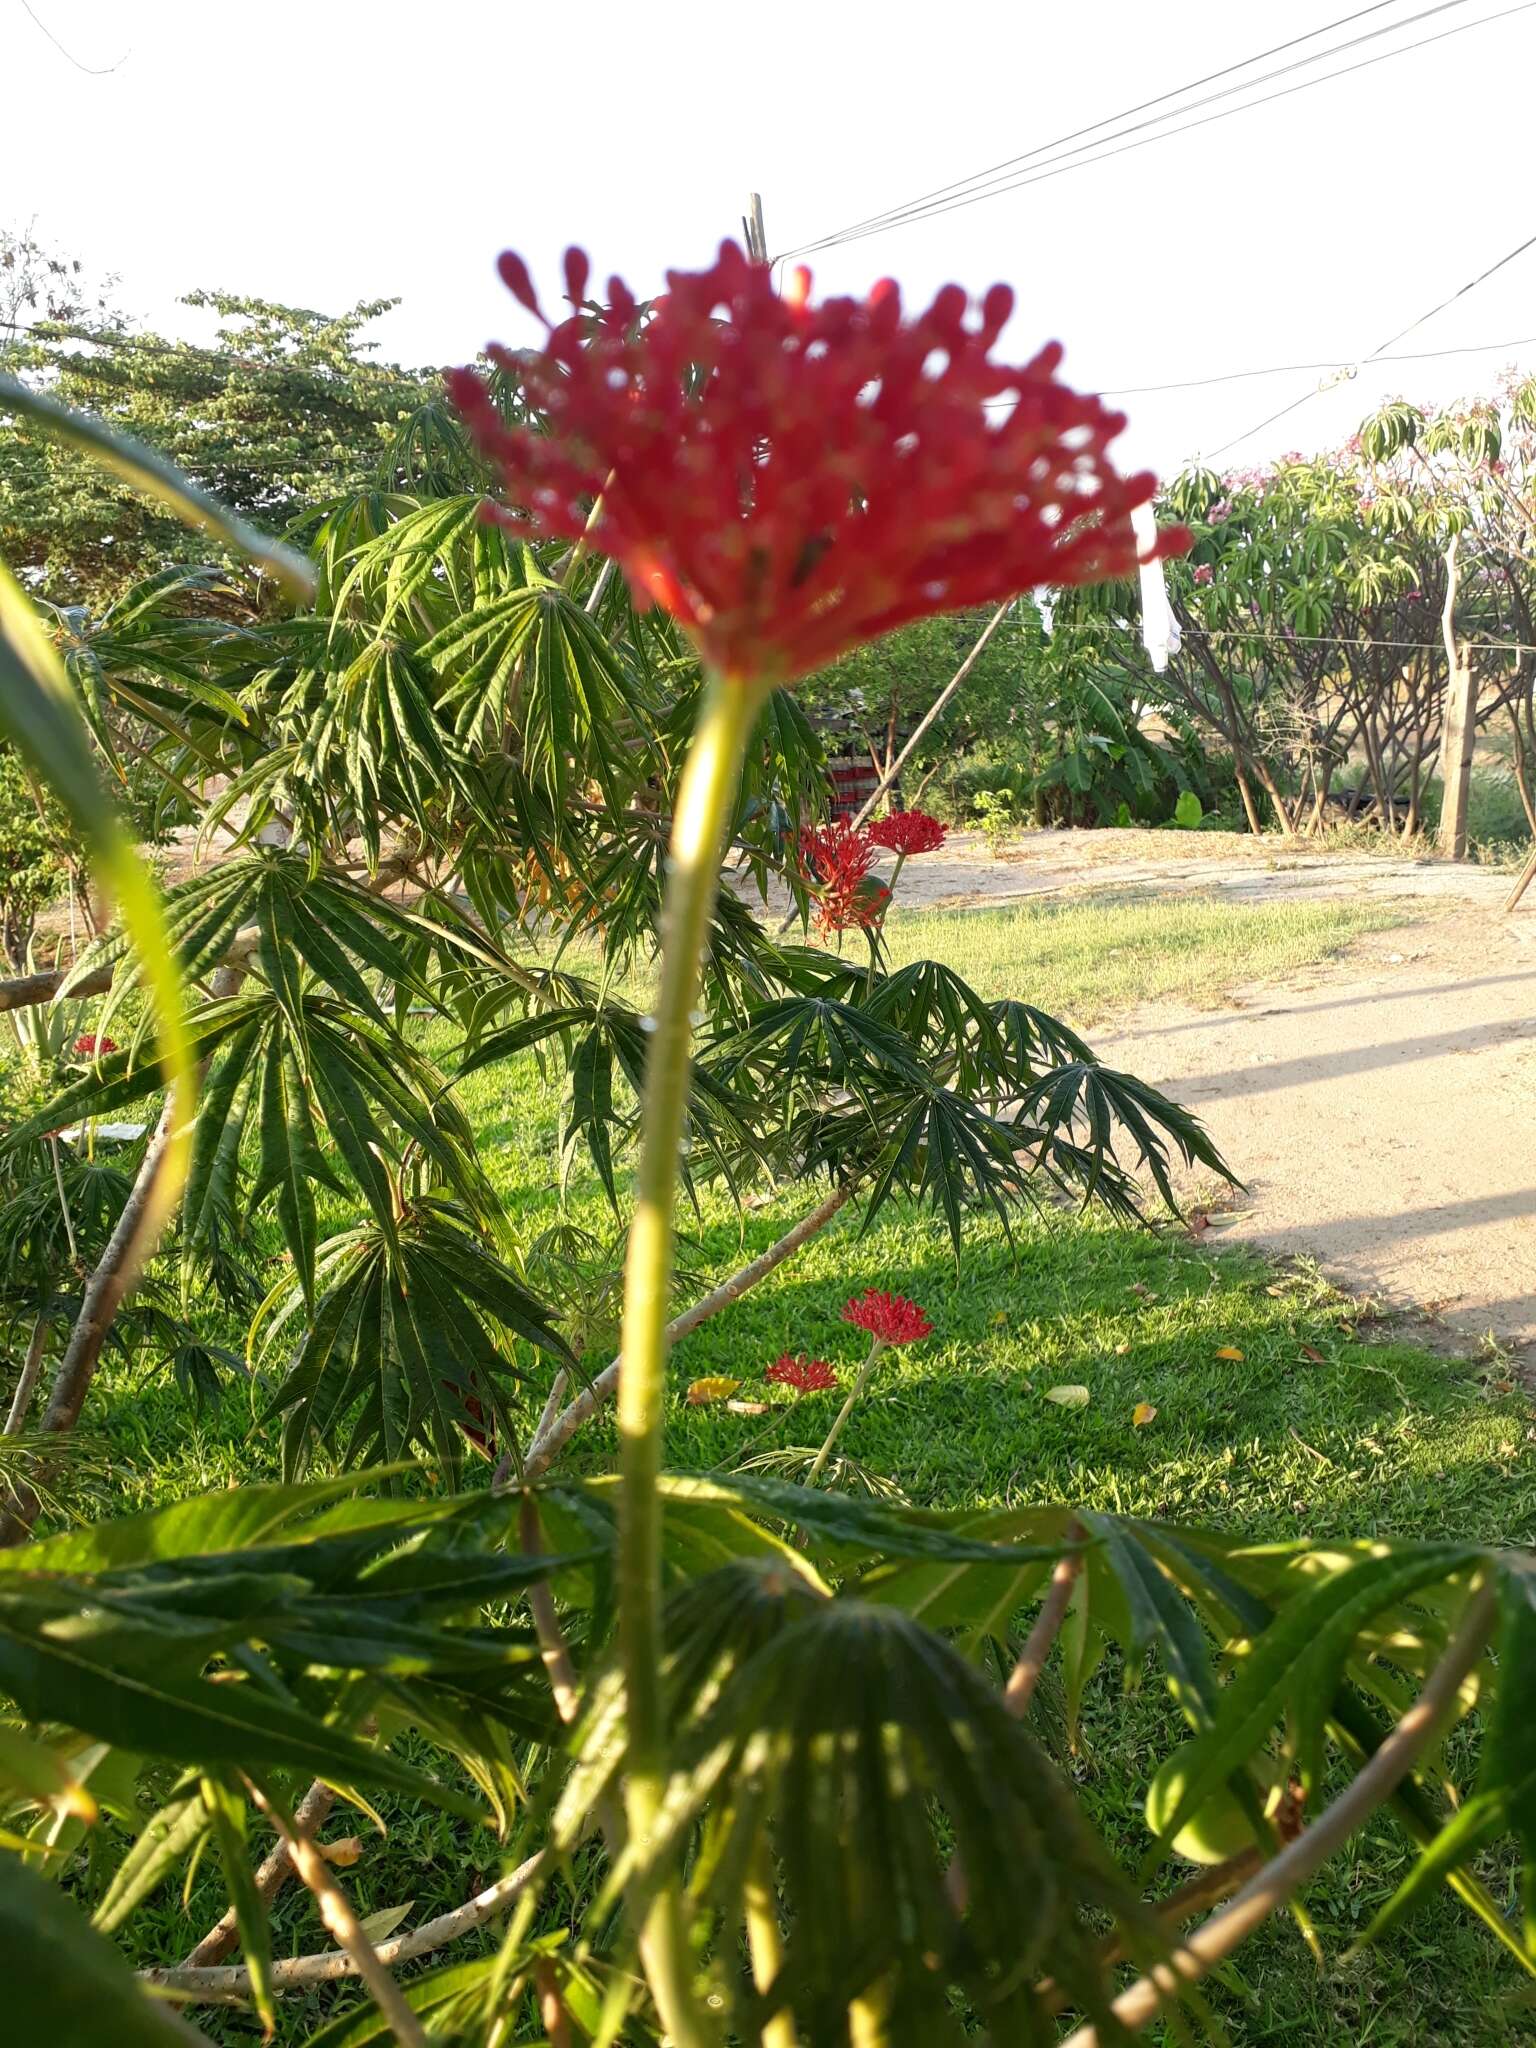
(329, 1965)
(272, 1873)
(552, 1437)
(1025, 1676)
(341, 1921)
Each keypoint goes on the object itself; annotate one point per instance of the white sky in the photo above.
(325, 151)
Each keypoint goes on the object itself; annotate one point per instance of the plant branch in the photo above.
(1269, 1889)
(552, 1436)
(326, 1966)
(272, 1873)
(342, 1922)
(1025, 1675)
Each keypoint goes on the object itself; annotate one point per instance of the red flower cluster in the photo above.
(789, 480)
(890, 1317)
(906, 832)
(805, 1375)
(835, 861)
(89, 1047)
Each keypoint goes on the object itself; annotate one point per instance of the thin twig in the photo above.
(550, 1440)
(1025, 1676)
(272, 1873)
(330, 1964)
(342, 1922)
(1285, 1873)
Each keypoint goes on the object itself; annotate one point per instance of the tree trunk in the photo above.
(32, 1366)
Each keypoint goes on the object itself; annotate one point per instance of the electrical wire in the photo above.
(1041, 174)
(1427, 355)
(1376, 354)
(1008, 163)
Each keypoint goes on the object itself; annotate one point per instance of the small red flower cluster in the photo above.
(890, 1317)
(835, 861)
(789, 480)
(805, 1375)
(907, 832)
(89, 1047)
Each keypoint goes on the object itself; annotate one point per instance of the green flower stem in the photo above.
(876, 1346)
(705, 800)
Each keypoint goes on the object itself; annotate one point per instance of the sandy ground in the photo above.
(1379, 1106)
(1382, 1110)
(1226, 863)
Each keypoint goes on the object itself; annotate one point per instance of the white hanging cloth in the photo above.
(1159, 628)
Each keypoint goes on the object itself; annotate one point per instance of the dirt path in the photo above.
(1382, 1109)
(1229, 864)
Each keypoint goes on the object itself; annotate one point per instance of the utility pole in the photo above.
(1459, 730)
(752, 228)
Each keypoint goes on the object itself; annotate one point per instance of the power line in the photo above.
(1376, 353)
(1193, 85)
(1041, 174)
(90, 70)
(1304, 639)
(1427, 355)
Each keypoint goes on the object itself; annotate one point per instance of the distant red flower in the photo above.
(907, 832)
(835, 861)
(1204, 573)
(805, 1375)
(89, 1047)
(890, 1317)
(789, 480)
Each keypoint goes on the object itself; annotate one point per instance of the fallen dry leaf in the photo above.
(704, 1393)
(1231, 1352)
(1068, 1397)
(1121, 1350)
(749, 1407)
(1000, 1319)
(1142, 1414)
(1311, 1351)
(344, 1853)
(1140, 1287)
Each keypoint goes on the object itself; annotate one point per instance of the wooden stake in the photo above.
(1459, 731)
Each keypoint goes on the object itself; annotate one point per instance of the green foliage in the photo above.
(38, 854)
(281, 411)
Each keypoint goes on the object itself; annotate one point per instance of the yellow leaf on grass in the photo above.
(704, 1393)
(1068, 1397)
(1000, 1319)
(1230, 1351)
(1142, 1414)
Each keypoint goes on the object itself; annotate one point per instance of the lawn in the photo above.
(1278, 1412)
(1084, 960)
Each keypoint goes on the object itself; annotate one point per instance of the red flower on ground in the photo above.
(890, 1317)
(89, 1047)
(805, 1375)
(907, 832)
(789, 480)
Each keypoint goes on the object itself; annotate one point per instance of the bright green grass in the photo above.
(1084, 959)
(1378, 1437)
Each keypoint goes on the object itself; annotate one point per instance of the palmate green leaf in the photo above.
(1104, 1103)
(845, 1784)
(1296, 1665)
(1504, 1801)
(65, 1984)
(412, 1328)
